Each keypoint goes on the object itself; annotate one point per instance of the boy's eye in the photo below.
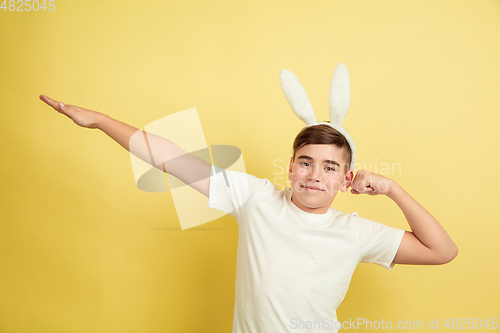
(307, 164)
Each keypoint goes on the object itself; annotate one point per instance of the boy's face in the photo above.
(322, 167)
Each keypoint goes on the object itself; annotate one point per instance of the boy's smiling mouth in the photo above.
(311, 188)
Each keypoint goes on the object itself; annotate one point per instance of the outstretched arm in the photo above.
(155, 150)
(427, 243)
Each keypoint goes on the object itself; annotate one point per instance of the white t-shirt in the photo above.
(293, 267)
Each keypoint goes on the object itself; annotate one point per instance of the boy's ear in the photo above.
(290, 169)
(347, 180)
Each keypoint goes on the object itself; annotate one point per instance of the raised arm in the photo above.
(428, 243)
(155, 150)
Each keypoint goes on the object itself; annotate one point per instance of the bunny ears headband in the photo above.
(340, 97)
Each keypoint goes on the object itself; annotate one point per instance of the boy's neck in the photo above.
(319, 210)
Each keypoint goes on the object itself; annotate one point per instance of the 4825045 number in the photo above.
(470, 323)
(27, 5)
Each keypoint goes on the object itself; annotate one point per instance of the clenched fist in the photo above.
(370, 183)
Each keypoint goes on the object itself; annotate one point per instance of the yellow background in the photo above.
(83, 250)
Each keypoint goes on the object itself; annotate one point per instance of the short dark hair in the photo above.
(322, 134)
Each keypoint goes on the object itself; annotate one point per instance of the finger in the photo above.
(358, 176)
(368, 188)
(66, 110)
(365, 187)
(50, 102)
(355, 181)
(360, 183)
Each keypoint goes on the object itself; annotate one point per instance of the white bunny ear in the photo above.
(297, 97)
(340, 94)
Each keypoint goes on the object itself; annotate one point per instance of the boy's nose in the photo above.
(314, 172)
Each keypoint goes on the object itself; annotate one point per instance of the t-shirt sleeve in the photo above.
(231, 190)
(378, 243)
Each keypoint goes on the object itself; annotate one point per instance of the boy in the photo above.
(296, 255)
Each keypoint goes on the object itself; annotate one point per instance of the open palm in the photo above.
(80, 116)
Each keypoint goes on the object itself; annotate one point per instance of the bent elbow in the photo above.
(449, 256)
